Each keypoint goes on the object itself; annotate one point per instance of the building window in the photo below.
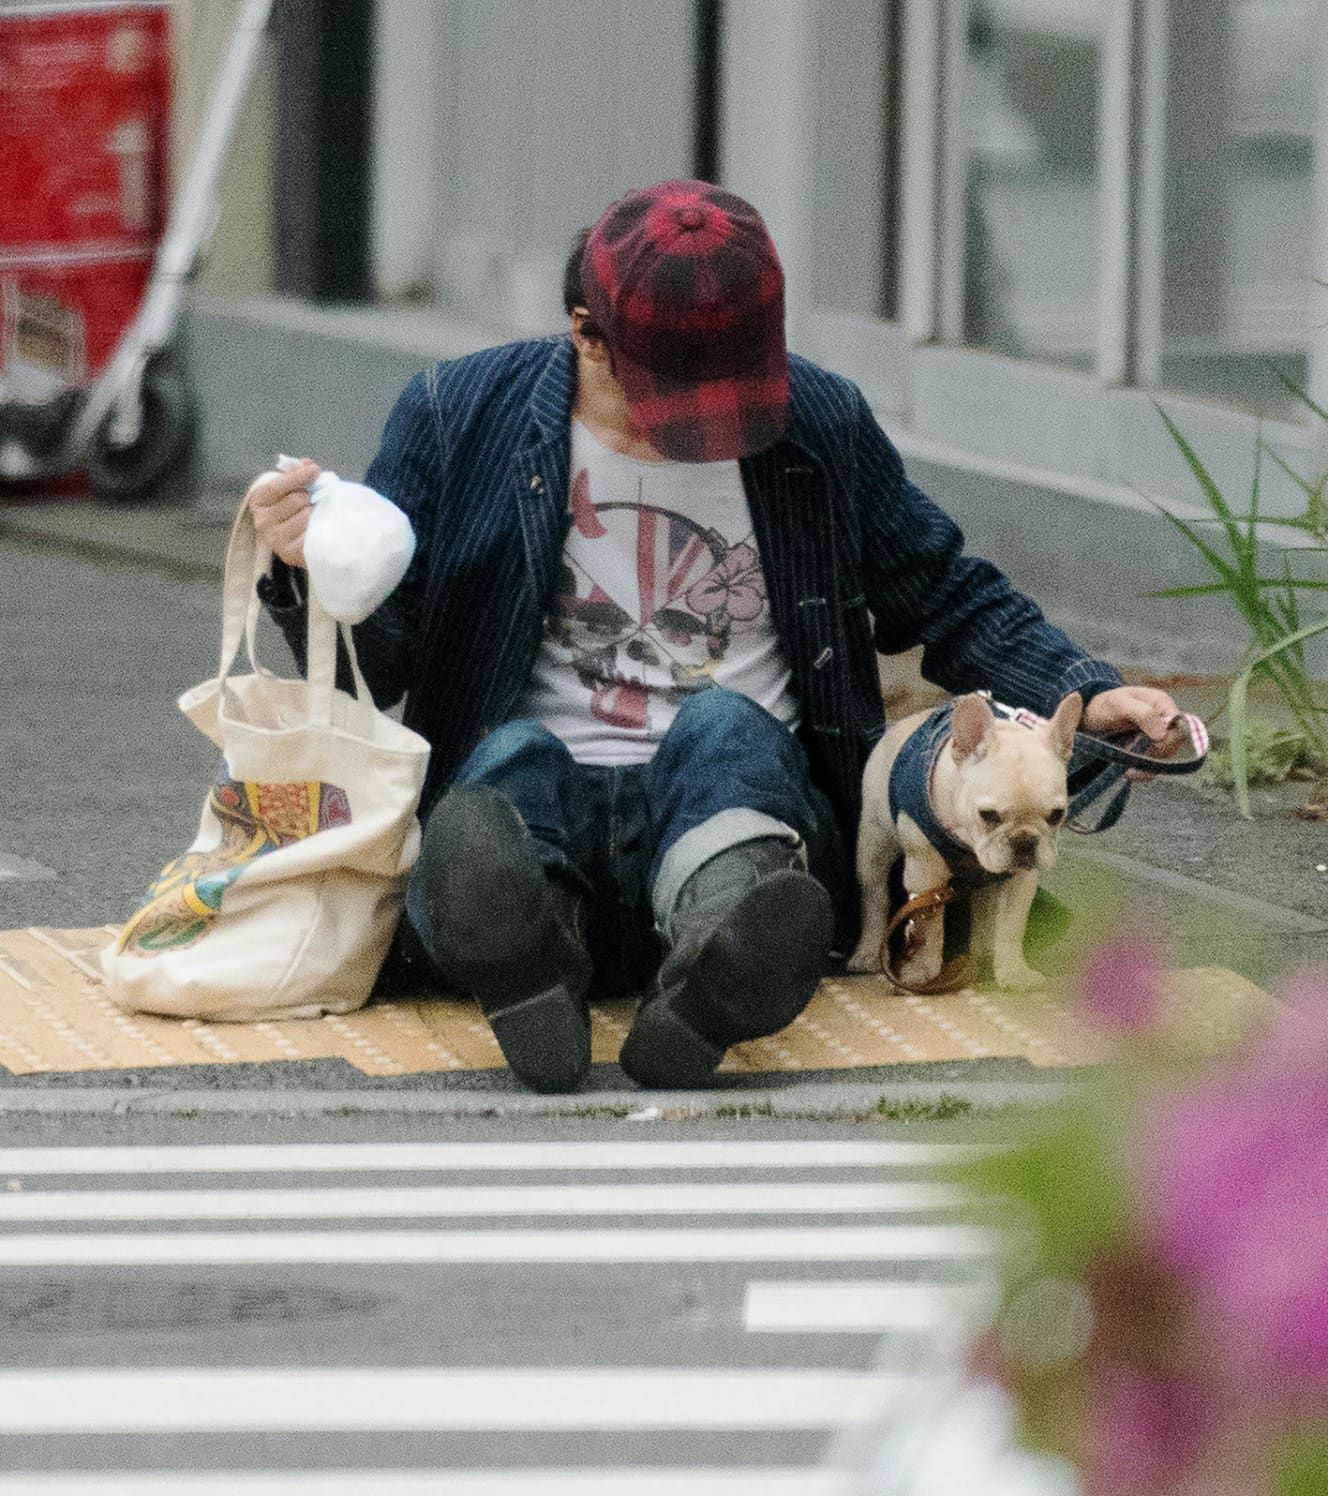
(1238, 173)
(1028, 155)
(1124, 188)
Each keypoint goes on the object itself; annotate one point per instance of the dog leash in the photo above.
(1098, 767)
(958, 972)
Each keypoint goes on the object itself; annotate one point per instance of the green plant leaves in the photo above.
(1272, 753)
(1271, 607)
(1239, 717)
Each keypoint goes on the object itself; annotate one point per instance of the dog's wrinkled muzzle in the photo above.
(1023, 853)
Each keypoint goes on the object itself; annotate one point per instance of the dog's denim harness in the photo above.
(910, 794)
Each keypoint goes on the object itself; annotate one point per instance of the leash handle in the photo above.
(1100, 765)
(1138, 750)
(1133, 748)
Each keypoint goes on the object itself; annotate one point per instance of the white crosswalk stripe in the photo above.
(858, 1308)
(618, 1481)
(702, 1244)
(702, 1373)
(189, 1400)
(266, 1158)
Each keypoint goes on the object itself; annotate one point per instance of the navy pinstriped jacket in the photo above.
(856, 559)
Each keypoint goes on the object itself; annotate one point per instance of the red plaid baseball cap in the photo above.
(685, 283)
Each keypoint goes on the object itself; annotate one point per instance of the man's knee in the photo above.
(477, 872)
(518, 744)
(724, 719)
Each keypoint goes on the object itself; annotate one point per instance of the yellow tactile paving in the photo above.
(54, 1016)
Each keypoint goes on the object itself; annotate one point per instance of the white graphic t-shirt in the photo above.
(662, 595)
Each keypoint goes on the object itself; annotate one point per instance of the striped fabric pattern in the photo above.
(856, 559)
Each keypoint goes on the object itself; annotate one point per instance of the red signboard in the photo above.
(84, 135)
(84, 121)
(62, 316)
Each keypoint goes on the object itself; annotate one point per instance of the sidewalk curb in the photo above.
(1276, 916)
(804, 1103)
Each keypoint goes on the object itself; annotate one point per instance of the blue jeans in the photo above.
(726, 772)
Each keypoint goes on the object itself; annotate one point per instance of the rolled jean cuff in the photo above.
(716, 834)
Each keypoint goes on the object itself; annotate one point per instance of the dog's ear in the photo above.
(969, 726)
(1065, 723)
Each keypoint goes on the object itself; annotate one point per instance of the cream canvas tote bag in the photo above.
(286, 902)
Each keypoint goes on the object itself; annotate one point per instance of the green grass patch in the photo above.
(1273, 754)
(913, 1109)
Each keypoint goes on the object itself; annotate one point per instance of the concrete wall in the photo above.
(238, 261)
(274, 375)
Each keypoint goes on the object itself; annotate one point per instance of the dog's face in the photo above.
(1009, 789)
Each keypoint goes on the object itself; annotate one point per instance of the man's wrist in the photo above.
(1089, 678)
(283, 587)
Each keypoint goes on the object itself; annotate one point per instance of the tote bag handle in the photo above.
(246, 562)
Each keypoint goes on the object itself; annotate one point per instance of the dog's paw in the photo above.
(1019, 978)
(865, 961)
(925, 966)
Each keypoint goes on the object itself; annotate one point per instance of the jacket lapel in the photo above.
(539, 473)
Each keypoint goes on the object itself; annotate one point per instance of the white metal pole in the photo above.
(1318, 266)
(952, 228)
(196, 206)
(192, 219)
(1117, 136)
(920, 170)
(1154, 62)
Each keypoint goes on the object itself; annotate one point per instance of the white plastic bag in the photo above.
(357, 547)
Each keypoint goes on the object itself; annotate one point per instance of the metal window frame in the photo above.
(920, 180)
(322, 184)
(1318, 346)
(933, 175)
(707, 32)
(1132, 127)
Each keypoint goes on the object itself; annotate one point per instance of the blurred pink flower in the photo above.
(1121, 991)
(1234, 1199)
(1145, 1431)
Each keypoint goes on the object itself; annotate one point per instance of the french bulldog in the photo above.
(968, 797)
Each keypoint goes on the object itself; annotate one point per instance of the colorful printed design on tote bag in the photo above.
(255, 819)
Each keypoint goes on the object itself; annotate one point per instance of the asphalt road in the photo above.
(102, 777)
(715, 1305)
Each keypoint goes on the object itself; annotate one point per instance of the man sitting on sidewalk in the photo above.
(656, 558)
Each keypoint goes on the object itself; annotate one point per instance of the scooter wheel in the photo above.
(164, 446)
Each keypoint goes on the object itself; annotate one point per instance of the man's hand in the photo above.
(1143, 707)
(281, 508)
